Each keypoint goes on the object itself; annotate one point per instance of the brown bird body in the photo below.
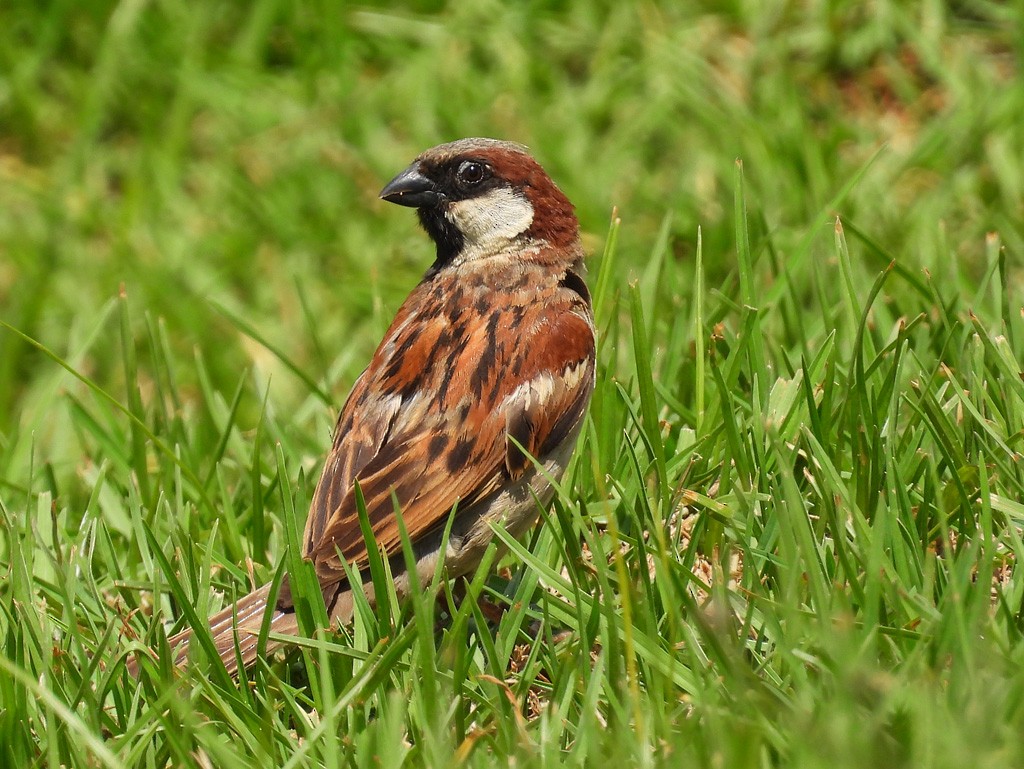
(492, 351)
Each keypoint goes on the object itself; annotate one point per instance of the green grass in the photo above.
(792, 530)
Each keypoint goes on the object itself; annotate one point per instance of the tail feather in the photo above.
(245, 617)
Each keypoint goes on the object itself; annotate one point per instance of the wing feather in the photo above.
(455, 447)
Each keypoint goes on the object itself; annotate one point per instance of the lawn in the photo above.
(792, 530)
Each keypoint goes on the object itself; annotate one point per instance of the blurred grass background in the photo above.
(233, 152)
(217, 164)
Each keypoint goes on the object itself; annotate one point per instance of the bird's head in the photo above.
(479, 197)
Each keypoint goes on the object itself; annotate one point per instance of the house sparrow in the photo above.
(492, 351)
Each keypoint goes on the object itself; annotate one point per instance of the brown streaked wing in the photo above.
(476, 461)
(560, 387)
(363, 427)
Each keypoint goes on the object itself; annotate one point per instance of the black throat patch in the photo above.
(443, 232)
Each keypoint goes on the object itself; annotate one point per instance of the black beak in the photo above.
(411, 188)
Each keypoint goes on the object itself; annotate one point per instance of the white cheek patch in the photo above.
(491, 221)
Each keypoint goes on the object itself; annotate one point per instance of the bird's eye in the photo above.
(471, 172)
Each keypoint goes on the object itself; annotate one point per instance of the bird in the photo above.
(473, 401)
